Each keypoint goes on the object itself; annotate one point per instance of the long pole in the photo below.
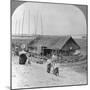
(35, 23)
(23, 23)
(16, 28)
(29, 22)
(41, 26)
(19, 28)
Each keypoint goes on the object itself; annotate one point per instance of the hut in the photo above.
(66, 45)
(41, 43)
(45, 45)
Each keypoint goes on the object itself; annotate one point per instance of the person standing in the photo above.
(55, 65)
(54, 57)
(28, 58)
(56, 69)
(49, 65)
(22, 57)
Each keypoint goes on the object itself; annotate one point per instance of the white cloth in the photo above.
(54, 57)
(48, 61)
(77, 52)
(22, 52)
(56, 65)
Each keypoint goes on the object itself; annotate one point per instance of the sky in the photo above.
(48, 19)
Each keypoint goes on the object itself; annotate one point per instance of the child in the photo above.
(56, 69)
(28, 59)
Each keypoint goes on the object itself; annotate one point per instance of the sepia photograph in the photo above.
(49, 44)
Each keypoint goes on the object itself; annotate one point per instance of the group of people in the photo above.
(53, 65)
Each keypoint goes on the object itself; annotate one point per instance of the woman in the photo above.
(49, 65)
(22, 57)
(55, 65)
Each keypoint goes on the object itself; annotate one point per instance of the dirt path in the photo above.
(26, 76)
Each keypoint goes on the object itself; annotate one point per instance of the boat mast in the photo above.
(19, 28)
(29, 22)
(16, 28)
(23, 23)
(35, 23)
(41, 26)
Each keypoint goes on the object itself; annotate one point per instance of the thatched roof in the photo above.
(61, 42)
(49, 41)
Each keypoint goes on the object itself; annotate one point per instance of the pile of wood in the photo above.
(71, 59)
